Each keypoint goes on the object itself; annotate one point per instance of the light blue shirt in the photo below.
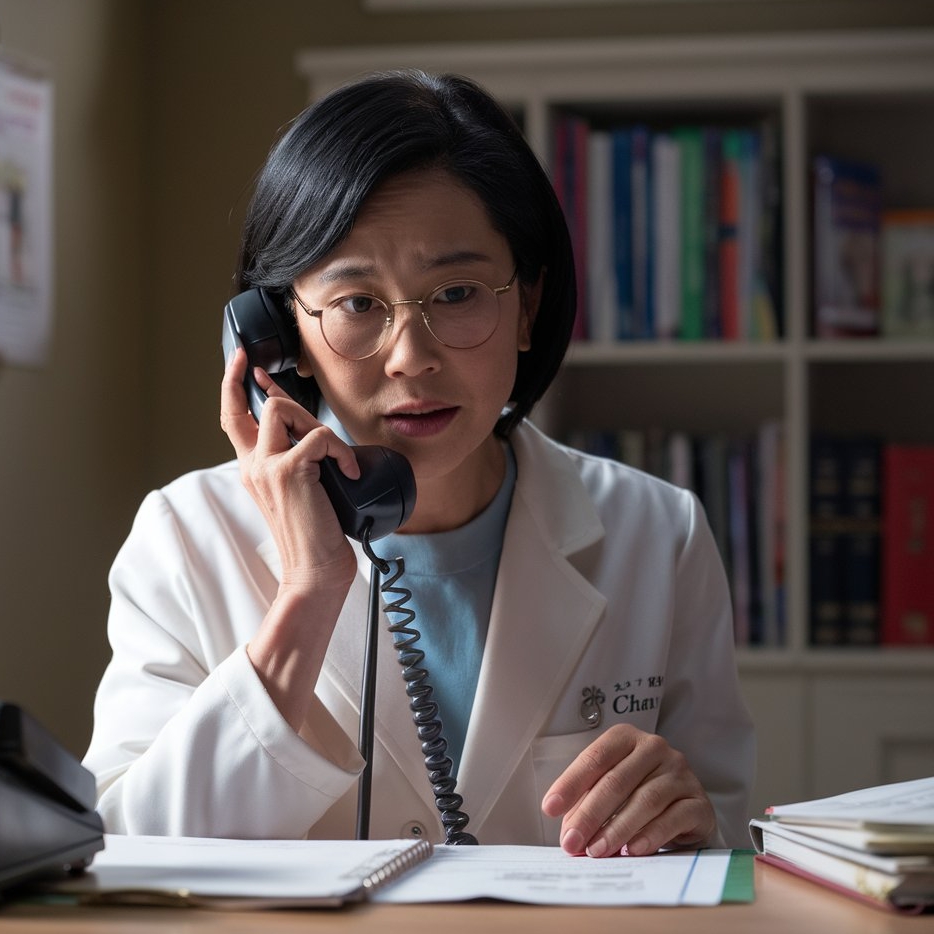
(452, 576)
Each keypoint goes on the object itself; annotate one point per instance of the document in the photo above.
(541, 875)
(905, 805)
(243, 874)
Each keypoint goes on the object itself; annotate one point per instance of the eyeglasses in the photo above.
(461, 314)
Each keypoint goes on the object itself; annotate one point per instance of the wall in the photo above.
(164, 111)
(71, 433)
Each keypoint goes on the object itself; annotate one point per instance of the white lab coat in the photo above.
(609, 587)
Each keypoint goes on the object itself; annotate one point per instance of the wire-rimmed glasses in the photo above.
(462, 314)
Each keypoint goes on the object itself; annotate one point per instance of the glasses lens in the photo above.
(355, 327)
(462, 314)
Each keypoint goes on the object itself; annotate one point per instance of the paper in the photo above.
(239, 873)
(26, 270)
(541, 875)
(909, 804)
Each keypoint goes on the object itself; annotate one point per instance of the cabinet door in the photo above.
(777, 702)
(870, 731)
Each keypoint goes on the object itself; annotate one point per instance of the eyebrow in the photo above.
(343, 272)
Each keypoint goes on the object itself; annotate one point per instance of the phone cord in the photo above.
(424, 709)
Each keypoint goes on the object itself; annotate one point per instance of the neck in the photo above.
(451, 500)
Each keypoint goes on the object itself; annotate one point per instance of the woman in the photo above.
(574, 613)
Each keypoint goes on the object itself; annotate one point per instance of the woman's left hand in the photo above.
(629, 791)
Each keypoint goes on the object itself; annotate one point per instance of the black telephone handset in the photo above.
(382, 498)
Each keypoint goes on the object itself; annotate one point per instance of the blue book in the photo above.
(622, 230)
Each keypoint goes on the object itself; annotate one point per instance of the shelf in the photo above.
(861, 95)
(876, 660)
(590, 353)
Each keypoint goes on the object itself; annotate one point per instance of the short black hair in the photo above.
(337, 151)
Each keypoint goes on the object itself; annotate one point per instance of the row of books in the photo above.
(873, 268)
(871, 542)
(740, 481)
(676, 231)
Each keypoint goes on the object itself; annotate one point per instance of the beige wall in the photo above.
(163, 111)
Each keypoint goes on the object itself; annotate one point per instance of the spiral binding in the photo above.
(424, 709)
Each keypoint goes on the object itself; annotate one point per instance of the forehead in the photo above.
(421, 218)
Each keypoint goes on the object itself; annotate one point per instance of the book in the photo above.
(875, 844)
(242, 874)
(908, 274)
(847, 230)
(728, 271)
(623, 249)
(667, 261)
(601, 275)
(690, 142)
(907, 604)
(825, 542)
(861, 547)
(901, 882)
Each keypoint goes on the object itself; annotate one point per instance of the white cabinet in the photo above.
(829, 719)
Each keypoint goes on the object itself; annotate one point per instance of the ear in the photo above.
(530, 297)
(304, 367)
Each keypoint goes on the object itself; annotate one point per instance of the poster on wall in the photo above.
(25, 213)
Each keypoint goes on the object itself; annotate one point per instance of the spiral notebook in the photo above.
(240, 874)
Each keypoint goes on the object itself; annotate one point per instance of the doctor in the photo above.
(573, 612)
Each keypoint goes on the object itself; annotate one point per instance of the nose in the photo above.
(410, 348)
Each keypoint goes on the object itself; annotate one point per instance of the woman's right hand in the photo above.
(318, 563)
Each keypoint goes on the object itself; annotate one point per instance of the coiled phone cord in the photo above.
(424, 709)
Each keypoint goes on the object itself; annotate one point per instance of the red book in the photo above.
(908, 545)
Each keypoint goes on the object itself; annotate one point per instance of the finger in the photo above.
(235, 417)
(612, 747)
(618, 767)
(674, 819)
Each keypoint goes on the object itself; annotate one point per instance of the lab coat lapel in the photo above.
(544, 612)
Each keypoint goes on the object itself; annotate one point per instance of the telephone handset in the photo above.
(382, 498)
(368, 509)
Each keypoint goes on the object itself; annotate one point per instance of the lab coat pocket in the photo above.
(551, 755)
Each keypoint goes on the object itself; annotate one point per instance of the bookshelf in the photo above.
(829, 718)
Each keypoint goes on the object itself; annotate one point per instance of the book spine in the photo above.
(847, 219)
(667, 162)
(601, 285)
(623, 232)
(908, 555)
(861, 542)
(729, 236)
(826, 542)
(691, 147)
(641, 233)
(712, 168)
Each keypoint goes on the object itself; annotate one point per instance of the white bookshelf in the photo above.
(870, 96)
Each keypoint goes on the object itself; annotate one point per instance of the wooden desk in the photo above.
(784, 905)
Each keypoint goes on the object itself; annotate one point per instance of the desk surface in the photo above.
(784, 904)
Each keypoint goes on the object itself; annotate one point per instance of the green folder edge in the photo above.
(739, 885)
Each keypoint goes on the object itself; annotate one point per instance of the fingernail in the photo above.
(573, 841)
(597, 847)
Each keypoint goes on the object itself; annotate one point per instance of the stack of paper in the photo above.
(876, 844)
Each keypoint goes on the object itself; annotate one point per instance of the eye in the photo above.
(455, 293)
(357, 304)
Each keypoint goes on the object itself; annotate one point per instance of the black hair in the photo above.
(337, 151)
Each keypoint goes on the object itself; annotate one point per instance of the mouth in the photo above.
(422, 424)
